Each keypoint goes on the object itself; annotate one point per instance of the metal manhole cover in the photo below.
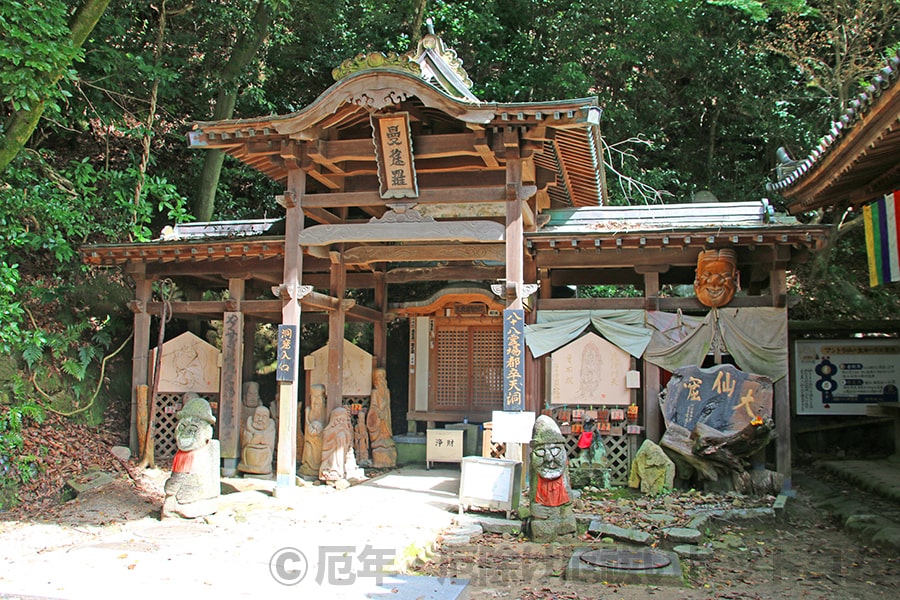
(631, 560)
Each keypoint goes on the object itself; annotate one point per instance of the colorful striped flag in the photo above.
(882, 221)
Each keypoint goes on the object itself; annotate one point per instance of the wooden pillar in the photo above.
(653, 421)
(379, 342)
(782, 388)
(231, 380)
(515, 243)
(533, 373)
(140, 354)
(288, 391)
(334, 387)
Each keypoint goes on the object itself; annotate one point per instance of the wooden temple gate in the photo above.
(398, 174)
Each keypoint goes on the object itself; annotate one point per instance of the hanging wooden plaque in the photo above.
(394, 154)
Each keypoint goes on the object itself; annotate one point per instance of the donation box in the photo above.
(443, 445)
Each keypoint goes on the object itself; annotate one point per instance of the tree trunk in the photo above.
(21, 124)
(151, 116)
(245, 49)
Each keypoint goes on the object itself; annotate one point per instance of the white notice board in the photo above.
(842, 377)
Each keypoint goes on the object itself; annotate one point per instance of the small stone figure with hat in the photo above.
(552, 514)
(193, 488)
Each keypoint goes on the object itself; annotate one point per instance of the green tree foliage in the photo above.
(35, 57)
(696, 95)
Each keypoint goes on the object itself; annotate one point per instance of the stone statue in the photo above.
(361, 439)
(193, 488)
(338, 458)
(300, 439)
(592, 464)
(257, 443)
(652, 470)
(378, 422)
(552, 514)
(315, 426)
(274, 412)
(249, 400)
(717, 277)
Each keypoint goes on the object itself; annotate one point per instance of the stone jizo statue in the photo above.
(315, 427)
(378, 422)
(552, 514)
(258, 443)
(193, 488)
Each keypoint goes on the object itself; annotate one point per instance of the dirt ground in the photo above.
(803, 555)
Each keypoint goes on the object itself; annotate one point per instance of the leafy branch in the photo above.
(620, 152)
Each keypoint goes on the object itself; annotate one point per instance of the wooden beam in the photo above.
(231, 378)
(361, 255)
(289, 390)
(669, 304)
(426, 196)
(140, 356)
(363, 313)
(321, 215)
(323, 178)
(334, 382)
(407, 275)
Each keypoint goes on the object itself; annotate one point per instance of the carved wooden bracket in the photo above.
(137, 306)
(286, 200)
(521, 291)
(291, 292)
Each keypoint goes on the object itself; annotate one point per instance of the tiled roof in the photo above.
(843, 152)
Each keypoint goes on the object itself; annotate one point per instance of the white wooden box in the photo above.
(443, 445)
(490, 483)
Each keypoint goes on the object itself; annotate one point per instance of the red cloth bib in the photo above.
(183, 462)
(551, 492)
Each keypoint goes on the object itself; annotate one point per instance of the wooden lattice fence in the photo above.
(620, 451)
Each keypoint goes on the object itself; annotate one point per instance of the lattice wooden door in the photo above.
(468, 368)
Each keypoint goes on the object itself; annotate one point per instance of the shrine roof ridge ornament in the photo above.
(432, 61)
(376, 60)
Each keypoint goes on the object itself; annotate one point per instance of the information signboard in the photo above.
(842, 377)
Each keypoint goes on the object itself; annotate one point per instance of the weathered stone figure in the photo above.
(651, 470)
(315, 426)
(552, 514)
(338, 458)
(193, 488)
(257, 443)
(378, 422)
(300, 439)
(716, 277)
(361, 439)
(249, 400)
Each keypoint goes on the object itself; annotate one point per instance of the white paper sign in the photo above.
(512, 427)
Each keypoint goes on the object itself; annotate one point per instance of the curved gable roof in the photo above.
(857, 160)
(564, 134)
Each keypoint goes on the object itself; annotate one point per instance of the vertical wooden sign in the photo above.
(286, 366)
(514, 359)
(394, 154)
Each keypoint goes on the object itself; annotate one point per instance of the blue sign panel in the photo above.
(286, 367)
(514, 359)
